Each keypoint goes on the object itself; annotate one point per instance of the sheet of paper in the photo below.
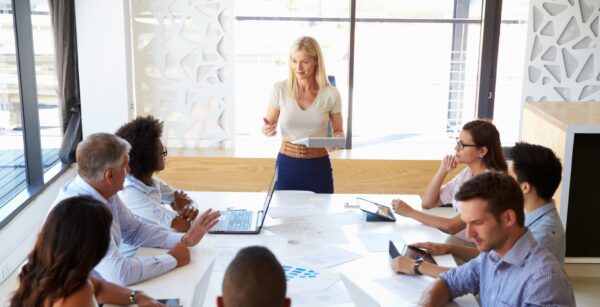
(301, 278)
(334, 295)
(240, 241)
(340, 218)
(304, 231)
(409, 287)
(294, 211)
(378, 242)
(324, 256)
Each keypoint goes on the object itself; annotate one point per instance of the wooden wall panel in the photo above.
(254, 174)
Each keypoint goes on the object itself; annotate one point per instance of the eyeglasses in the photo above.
(462, 145)
(164, 152)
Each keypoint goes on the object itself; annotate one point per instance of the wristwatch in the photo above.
(132, 296)
(417, 264)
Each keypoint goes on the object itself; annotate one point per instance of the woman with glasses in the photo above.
(478, 147)
(71, 243)
(145, 194)
(304, 105)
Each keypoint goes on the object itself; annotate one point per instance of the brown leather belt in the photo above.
(301, 151)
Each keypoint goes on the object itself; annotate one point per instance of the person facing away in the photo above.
(254, 279)
(512, 268)
(102, 161)
(537, 170)
(478, 146)
(144, 194)
(72, 241)
(304, 106)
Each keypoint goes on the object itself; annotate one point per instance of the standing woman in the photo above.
(72, 241)
(304, 105)
(477, 146)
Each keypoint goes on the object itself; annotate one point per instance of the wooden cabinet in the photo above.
(572, 130)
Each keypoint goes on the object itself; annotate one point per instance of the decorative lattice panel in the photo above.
(183, 64)
(563, 51)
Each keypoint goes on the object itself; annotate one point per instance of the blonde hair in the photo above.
(310, 46)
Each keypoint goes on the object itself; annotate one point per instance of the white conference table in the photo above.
(333, 227)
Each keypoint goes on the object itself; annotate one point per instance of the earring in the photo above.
(481, 156)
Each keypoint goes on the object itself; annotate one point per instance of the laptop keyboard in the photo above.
(239, 220)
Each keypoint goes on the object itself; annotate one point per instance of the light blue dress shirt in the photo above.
(150, 203)
(527, 275)
(126, 227)
(546, 227)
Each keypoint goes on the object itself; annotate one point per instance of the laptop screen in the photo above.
(268, 198)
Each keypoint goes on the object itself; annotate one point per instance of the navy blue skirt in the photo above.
(304, 174)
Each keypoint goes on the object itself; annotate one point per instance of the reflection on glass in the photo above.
(12, 164)
(47, 82)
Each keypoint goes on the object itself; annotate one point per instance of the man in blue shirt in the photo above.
(102, 161)
(512, 268)
(538, 172)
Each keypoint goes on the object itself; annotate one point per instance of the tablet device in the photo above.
(396, 250)
(170, 302)
(321, 142)
(375, 211)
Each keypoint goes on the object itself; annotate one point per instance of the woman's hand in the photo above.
(181, 200)
(335, 135)
(402, 208)
(269, 129)
(448, 164)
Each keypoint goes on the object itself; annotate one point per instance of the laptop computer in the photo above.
(359, 296)
(202, 286)
(244, 221)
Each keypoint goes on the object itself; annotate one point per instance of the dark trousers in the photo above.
(304, 174)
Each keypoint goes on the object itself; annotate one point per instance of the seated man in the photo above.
(254, 279)
(102, 160)
(538, 171)
(512, 268)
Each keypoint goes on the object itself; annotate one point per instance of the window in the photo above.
(417, 60)
(261, 60)
(19, 168)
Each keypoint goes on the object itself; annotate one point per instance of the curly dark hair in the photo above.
(142, 133)
(73, 240)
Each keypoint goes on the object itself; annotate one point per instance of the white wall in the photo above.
(18, 237)
(563, 51)
(103, 35)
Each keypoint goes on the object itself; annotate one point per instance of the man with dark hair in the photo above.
(538, 172)
(512, 268)
(254, 279)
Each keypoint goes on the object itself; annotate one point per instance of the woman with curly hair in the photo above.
(145, 194)
(72, 241)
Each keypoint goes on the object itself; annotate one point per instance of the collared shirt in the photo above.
(546, 227)
(126, 227)
(147, 202)
(527, 275)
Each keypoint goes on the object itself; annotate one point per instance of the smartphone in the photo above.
(171, 302)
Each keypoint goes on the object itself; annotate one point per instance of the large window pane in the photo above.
(12, 164)
(47, 87)
(415, 70)
(263, 38)
(511, 60)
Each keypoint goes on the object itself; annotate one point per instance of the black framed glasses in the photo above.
(164, 152)
(462, 145)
